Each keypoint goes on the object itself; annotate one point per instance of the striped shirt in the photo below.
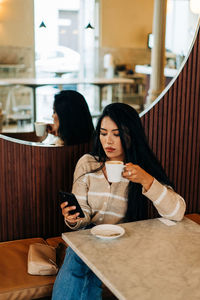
(105, 203)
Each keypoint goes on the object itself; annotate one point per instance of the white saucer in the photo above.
(107, 231)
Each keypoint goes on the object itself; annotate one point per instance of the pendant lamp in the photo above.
(42, 25)
(89, 26)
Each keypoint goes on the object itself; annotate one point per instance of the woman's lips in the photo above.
(109, 149)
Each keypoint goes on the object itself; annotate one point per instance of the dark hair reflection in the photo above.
(74, 117)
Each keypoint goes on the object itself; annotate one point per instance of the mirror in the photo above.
(181, 25)
(119, 31)
(121, 46)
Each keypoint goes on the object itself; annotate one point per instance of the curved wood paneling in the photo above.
(30, 179)
(173, 130)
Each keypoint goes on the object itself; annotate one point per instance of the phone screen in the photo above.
(72, 201)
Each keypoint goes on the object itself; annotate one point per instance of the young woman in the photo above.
(119, 136)
(72, 118)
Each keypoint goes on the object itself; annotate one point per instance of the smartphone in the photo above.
(72, 201)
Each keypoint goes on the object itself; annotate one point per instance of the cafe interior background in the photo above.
(47, 38)
(119, 45)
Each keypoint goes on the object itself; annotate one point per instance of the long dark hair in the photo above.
(74, 117)
(136, 150)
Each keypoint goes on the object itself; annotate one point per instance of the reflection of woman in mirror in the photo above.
(72, 119)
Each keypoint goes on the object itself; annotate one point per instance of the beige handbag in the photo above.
(42, 260)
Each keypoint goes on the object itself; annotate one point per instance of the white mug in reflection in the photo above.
(114, 170)
(40, 128)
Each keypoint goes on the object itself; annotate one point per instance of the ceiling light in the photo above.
(42, 25)
(89, 26)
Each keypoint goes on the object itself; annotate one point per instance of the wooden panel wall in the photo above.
(30, 178)
(173, 130)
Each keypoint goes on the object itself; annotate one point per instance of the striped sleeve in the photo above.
(169, 204)
(80, 189)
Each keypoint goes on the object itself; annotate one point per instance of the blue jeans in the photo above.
(75, 280)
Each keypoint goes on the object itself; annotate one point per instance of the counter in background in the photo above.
(144, 69)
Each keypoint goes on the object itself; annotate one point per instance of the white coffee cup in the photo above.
(40, 128)
(114, 170)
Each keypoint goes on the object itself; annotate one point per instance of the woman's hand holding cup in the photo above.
(51, 129)
(136, 174)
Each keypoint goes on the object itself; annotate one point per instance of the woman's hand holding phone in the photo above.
(70, 218)
(71, 209)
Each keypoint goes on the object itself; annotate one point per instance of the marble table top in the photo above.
(151, 261)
